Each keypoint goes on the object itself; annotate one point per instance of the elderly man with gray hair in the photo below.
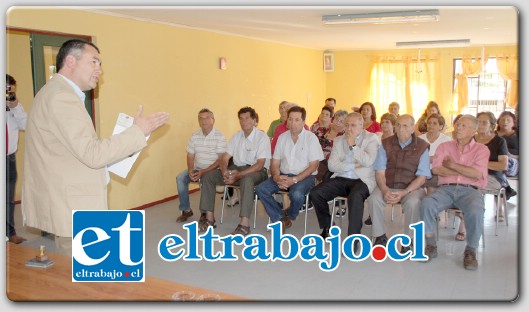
(401, 168)
(461, 165)
(351, 160)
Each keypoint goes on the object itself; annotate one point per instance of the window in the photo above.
(486, 92)
(405, 80)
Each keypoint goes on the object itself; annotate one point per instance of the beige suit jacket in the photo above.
(364, 155)
(64, 160)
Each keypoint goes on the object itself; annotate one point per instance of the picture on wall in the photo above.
(328, 62)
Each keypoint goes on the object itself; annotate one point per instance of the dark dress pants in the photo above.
(356, 192)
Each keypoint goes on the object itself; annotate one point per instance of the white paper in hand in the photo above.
(122, 167)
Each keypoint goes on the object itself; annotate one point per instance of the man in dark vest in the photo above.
(401, 168)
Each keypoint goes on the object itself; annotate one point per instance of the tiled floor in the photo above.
(444, 278)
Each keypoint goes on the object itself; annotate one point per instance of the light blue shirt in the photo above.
(424, 162)
(76, 88)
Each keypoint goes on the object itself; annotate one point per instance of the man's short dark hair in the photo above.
(298, 109)
(248, 109)
(10, 80)
(72, 47)
(331, 99)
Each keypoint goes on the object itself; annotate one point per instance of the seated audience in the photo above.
(387, 125)
(282, 118)
(461, 165)
(401, 167)
(323, 124)
(367, 109)
(329, 102)
(394, 108)
(351, 160)
(204, 150)
(498, 160)
(280, 129)
(431, 108)
(293, 169)
(250, 149)
(507, 129)
(434, 137)
(326, 142)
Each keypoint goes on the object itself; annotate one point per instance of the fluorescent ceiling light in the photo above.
(383, 17)
(451, 43)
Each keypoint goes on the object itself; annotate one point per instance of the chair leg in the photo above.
(483, 235)
(438, 220)
(223, 202)
(505, 207)
(332, 211)
(255, 210)
(306, 212)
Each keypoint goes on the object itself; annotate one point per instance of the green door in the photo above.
(44, 49)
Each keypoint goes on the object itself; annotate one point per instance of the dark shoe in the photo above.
(287, 223)
(368, 221)
(202, 217)
(302, 209)
(404, 249)
(381, 240)
(241, 229)
(431, 252)
(186, 214)
(510, 192)
(325, 233)
(203, 227)
(15, 239)
(469, 261)
(340, 212)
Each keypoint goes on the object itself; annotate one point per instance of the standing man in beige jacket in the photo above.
(65, 161)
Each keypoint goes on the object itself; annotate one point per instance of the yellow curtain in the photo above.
(388, 83)
(508, 68)
(471, 66)
(405, 80)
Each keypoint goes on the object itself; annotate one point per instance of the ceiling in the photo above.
(301, 26)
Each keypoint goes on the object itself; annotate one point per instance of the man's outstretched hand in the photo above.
(150, 122)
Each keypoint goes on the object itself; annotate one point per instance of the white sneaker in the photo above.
(234, 200)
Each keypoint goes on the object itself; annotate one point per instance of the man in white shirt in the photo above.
(351, 160)
(250, 149)
(204, 150)
(294, 167)
(16, 119)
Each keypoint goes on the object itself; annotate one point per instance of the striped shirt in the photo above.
(206, 148)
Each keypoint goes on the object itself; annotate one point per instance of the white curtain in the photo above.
(405, 80)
